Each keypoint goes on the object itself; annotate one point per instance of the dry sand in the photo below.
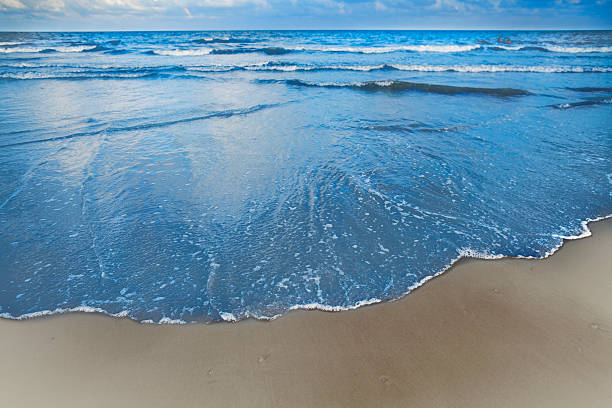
(504, 333)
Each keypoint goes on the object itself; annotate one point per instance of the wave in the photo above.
(517, 48)
(79, 48)
(13, 47)
(552, 48)
(211, 40)
(578, 50)
(181, 53)
(384, 50)
(10, 43)
(400, 48)
(75, 75)
(465, 253)
(219, 51)
(97, 48)
(416, 48)
(361, 50)
(339, 49)
(428, 68)
(265, 50)
(290, 67)
(77, 71)
(592, 102)
(151, 125)
(404, 86)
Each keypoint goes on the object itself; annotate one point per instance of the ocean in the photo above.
(176, 177)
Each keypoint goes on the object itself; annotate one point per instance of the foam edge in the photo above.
(229, 317)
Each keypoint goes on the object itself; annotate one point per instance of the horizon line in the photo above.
(305, 29)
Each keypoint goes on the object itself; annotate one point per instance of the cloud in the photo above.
(121, 6)
(264, 14)
(231, 3)
(448, 4)
(339, 6)
(379, 6)
(54, 6)
(11, 4)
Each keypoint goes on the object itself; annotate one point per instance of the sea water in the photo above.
(207, 176)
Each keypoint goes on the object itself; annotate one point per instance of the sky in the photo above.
(92, 15)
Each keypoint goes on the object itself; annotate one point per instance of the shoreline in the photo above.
(506, 332)
(465, 255)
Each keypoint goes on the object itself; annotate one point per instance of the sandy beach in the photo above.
(502, 333)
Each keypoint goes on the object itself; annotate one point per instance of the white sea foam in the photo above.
(328, 308)
(86, 309)
(167, 320)
(82, 309)
(499, 68)
(464, 253)
(73, 75)
(211, 68)
(577, 50)
(228, 317)
(184, 53)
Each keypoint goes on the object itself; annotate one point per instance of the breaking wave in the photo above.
(404, 86)
(79, 48)
(182, 53)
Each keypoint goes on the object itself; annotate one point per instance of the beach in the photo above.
(503, 333)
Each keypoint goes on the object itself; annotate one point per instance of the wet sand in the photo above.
(497, 333)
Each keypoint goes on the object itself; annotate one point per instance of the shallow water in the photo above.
(205, 176)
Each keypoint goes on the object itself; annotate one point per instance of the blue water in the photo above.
(206, 176)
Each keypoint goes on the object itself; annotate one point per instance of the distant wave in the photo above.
(75, 75)
(428, 68)
(390, 49)
(79, 48)
(221, 51)
(13, 47)
(291, 67)
(403, 86)
(413, 48)
(551, 48)
(517, 48)
(182, 53)
(97, 48)
(264, 50)
(78, 71)
(359, 50)
(211, 40)
(333, 49)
